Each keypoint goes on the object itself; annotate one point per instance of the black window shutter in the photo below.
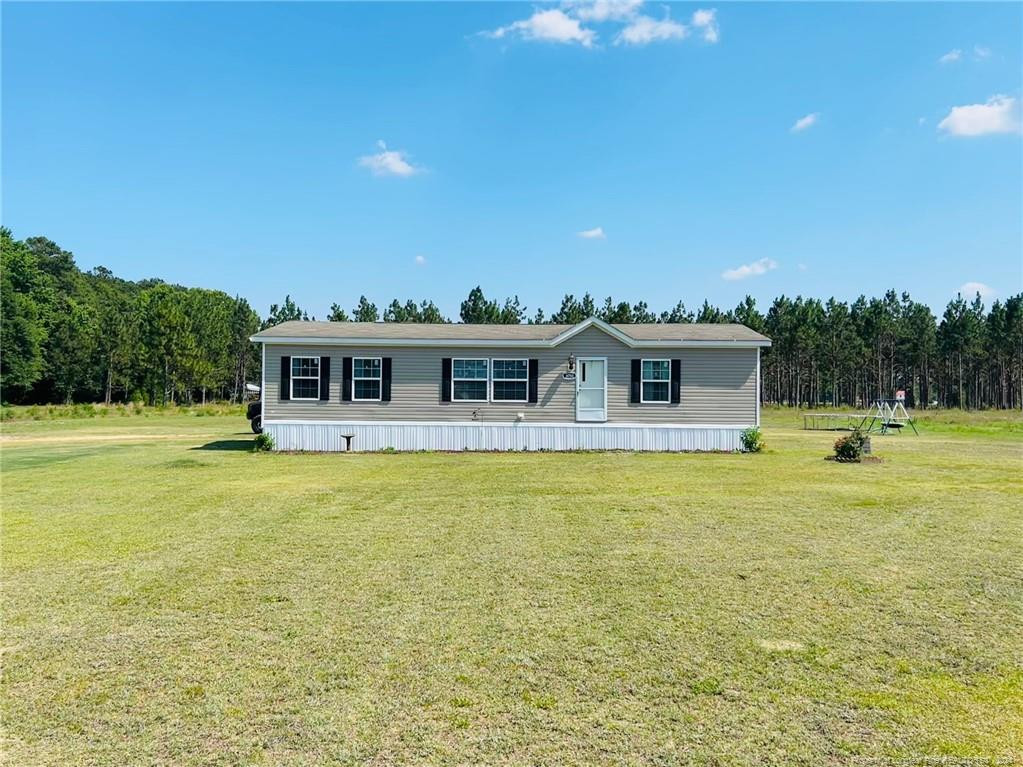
(324, 378)
(385, 379)
(676, 381)
(346, 379)
(445, 379)
(637, 371)
(534, 380)
(285, 390)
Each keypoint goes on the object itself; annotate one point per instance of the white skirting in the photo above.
(327, 437)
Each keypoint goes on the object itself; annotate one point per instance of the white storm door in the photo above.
(591, 389)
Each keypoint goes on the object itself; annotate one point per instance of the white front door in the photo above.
(591, 389)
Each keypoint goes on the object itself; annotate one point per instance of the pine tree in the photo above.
(710, 313)
(612, 312)
(337, 314)
(677, 314)
(365, 311)
(428, 312)
(745, 313)
(477, 310)
(512, 313)
(286, 312)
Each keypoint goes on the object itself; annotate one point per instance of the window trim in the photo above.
(490, 373)
(642, 390)
(378, 378)
(455, 378)
(318, 378)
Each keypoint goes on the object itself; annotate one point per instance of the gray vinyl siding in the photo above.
(718, 385)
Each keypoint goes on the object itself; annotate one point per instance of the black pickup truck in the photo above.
(254, 412)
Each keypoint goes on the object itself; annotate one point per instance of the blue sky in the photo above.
(709, 150)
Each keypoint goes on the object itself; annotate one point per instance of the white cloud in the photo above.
(805, 122)
(388, 162)
(593, 234)
(643, 29)
(605, 10)
(574, 23)
(980, 52)
(552, 25)
(707, 21)
(420, 260)
(755, 269)
(970, 289)
(998, 115)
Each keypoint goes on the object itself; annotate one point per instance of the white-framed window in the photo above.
(509, 380)
(655, 381)
(366, 379)
(469, 378)
(305, 377)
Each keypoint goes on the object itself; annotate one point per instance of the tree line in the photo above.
(73, 336)
(69, 336)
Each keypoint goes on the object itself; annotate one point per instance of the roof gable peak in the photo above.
(592, 322)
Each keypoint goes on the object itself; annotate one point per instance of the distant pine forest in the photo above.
(70, 336)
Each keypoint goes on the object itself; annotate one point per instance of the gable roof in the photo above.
(457, 334)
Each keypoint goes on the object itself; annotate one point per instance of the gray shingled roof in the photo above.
(690, 331)
(399, 331)
(413, 330)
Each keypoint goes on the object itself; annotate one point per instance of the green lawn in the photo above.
(170, 598)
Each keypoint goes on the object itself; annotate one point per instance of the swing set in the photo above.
(885, 415)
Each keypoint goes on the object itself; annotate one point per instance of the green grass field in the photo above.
(170, 598)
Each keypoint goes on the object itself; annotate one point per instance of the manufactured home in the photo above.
(590, 386)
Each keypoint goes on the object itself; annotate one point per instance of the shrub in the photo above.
(85, 410)
(263, 442)
(849, 449)
(752, 440)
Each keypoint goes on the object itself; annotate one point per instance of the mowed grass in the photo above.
(170, 598)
